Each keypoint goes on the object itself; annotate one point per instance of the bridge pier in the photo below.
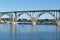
(58, 25)
(34, 26)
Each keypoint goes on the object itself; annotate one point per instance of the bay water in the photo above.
(25, 32)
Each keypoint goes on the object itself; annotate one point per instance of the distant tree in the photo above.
(46, 19)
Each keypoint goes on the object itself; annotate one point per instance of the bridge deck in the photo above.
(33, 11)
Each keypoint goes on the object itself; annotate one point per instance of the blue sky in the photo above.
(8, 5)
(13, 5)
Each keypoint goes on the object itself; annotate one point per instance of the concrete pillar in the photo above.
(12, 18)
(59, 14)
(56, 16)
(58, 23)
(16, 17)
(34, 25)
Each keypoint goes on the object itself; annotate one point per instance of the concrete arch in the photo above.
(39, 15)
(52, 14)
(8, 14)
(24, 13)
(44, 13)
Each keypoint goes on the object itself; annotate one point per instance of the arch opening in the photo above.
(46, 15)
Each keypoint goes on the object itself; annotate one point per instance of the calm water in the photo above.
(24, 32)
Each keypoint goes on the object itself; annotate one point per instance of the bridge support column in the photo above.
(34, 26)
(58, 25)
(58, 22)
(16, 17)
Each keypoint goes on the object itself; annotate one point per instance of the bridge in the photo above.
(33, 15)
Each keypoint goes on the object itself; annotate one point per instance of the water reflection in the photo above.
(44, 32)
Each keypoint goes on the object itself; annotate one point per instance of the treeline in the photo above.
(24, 20)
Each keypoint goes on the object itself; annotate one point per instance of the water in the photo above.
(24, 32)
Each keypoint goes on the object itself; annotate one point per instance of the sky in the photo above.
(17, 5)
